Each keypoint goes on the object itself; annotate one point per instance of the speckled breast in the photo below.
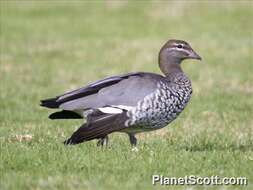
(159, 108)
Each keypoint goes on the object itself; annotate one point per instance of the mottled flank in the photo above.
(161, 107)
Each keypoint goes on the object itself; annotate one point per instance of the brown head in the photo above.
(173, 53)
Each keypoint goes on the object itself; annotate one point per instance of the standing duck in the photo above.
(130, 103)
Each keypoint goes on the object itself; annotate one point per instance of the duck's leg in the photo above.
(133, 141)
(103, 141)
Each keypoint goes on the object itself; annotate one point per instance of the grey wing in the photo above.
(125, 93)
(125, 90)
(84, 91)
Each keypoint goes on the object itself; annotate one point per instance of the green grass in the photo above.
(50, 47)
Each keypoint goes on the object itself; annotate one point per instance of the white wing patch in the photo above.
(115, 109)
(123, 107)
(110, 110)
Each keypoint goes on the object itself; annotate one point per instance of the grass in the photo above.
(50, 47)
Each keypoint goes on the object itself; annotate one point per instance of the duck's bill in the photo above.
(194, 55)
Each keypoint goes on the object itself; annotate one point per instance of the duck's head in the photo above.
(174, 52)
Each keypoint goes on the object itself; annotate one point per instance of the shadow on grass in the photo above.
(214, 143)
(213, 147)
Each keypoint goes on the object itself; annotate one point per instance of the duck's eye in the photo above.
(179, 46)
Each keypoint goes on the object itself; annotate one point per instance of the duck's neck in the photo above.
(170, 65)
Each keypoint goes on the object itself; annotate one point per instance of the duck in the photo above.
(130, 103)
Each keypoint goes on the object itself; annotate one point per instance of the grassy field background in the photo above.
(49, 47)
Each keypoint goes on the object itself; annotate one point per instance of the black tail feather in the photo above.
(87, 133)
(65, 114)
(98, 128)
(50, 103)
